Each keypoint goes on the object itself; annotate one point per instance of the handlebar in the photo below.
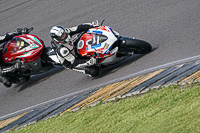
(30, 29)
(24, 31)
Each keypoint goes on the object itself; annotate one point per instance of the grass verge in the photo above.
(172, 109)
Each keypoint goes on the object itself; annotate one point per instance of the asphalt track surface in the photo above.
(171, 26)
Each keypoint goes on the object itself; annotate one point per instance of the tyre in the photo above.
(136, 46)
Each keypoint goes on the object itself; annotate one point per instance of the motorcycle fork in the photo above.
(123, 49)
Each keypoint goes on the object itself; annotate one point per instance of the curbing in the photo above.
(182, 71)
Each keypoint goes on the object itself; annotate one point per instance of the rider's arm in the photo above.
(10, 35)
(82, 28)
(2, 38)
(7, 37)
(79, 29)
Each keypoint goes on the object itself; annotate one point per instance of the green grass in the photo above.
(173, 109)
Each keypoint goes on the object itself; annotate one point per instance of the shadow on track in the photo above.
(38, 78)
(106, 71)
(115, 67)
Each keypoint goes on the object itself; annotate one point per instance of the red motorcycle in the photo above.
(30, 51)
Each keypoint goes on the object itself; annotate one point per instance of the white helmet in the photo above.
(59, 33)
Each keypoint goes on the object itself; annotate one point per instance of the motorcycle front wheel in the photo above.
(135, 46)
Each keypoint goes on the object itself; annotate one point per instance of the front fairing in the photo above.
(97, 40)
(26, 47)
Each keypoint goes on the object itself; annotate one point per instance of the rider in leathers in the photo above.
(67, 56)
(12, 67)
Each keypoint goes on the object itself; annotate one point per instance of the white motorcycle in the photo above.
(106, 46)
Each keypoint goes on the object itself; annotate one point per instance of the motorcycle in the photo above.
(102, 43)
(30, 52)
(106, 46)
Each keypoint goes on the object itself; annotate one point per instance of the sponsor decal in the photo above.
(80, 44)
(106, 46)
(95, 31)
(90, 47)
(38, 41)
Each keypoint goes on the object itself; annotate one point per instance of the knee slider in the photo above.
(65, 52)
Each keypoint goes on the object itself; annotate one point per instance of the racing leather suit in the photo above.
(6, 69)
(70, 59)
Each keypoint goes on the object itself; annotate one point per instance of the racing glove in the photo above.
(19, 31)
(22, 31)
(95, 23)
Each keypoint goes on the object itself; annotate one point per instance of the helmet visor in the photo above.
(63, 37)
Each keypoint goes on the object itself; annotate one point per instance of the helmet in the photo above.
(59, 33)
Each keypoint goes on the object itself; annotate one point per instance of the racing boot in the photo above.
(5, 81)
(91, 71)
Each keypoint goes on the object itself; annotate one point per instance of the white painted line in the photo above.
(194, 58)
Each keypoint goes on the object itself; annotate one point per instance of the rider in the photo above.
(66, 55)
(16, 65)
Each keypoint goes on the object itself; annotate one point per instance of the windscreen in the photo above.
(15, 44)
(97, 39)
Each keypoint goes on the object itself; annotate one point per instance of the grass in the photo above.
(173, 109)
